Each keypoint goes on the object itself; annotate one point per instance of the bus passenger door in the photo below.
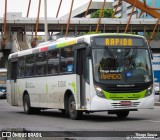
(81, 70)
(13, 82)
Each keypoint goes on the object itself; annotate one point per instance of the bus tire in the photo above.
(63, 111)
(36, 110)
(122, 114)
(73, 113)
(26, 104)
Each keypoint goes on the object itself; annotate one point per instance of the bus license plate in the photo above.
(126, 103)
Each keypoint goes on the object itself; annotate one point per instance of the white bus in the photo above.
(101, 72)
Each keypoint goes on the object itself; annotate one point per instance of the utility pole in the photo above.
(45, 20)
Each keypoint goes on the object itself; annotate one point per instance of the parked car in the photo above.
(156, 88)
(3, 77)
(2, 93)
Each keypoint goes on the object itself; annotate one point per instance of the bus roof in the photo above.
(60, 43)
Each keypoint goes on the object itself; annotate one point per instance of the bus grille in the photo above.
(124, 98)
(118, 105)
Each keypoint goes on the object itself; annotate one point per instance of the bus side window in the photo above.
(21, 66)
(30, 65)
(67, 60)
(41, 63)
(53, 62)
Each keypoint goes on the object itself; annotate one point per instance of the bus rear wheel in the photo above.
(73, 113)
(26, 104)
(122, 114)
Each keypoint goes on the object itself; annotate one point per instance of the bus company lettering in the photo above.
(29, 85)
(107, 76)
(61, 83)
(119, 41)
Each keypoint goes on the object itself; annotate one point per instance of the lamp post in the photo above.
(45, 20)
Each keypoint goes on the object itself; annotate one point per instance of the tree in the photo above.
(107, 13)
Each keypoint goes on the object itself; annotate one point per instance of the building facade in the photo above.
(124, 10)
(151, 3)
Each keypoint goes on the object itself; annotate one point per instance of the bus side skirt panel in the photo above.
(12, 97)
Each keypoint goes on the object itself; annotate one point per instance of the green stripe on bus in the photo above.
(124, 96)
(18, 90)
(60, 45)
(46, 88)
(74, 87)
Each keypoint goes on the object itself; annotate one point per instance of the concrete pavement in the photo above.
(157, 103)
(157, 100)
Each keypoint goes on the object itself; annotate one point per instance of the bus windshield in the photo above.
(121, 65)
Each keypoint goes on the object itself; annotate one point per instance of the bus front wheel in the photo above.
(26, 104)
(73, 113)
(122, 114)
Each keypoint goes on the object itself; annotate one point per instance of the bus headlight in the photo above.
(149, 91)
(99, 92)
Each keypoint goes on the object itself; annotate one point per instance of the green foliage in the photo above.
(89, 33)
(107, 13)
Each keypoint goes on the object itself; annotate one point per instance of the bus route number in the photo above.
(61, 83)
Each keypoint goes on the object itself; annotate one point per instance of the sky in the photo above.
(52, 7)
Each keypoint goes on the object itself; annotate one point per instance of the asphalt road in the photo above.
(157, 98)
(53, 120)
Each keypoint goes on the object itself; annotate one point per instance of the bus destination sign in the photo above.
(119, 41)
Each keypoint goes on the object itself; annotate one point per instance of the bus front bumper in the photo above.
(101, 104)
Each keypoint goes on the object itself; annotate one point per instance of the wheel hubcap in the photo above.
(72, 107)
(25, 106)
